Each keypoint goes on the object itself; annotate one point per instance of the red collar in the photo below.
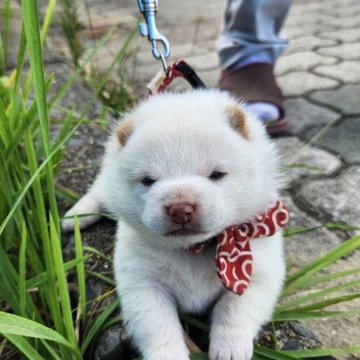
(233, 253)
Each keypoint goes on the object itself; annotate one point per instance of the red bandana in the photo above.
(233, 253)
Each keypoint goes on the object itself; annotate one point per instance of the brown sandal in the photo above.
(256, 83)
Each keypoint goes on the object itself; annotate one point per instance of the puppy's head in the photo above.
(183, 167)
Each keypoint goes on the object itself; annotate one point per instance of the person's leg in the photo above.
(248, 49)
(251, 31)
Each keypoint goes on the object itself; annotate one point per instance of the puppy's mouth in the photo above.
(185, 232)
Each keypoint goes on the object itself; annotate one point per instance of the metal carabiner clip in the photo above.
(149, 8)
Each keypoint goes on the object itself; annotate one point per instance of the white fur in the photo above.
(179, 139)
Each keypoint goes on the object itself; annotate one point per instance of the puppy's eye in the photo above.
(147, 181)
(217, 175)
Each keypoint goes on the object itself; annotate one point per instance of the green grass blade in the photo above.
(320, 293)
(5, 132)
(22, 271)
(272, 354)
(64, 295)
(102, 277)
(94, 251)
(47, 20)
(99, 324)
(313, 353)
(31, 26)
(296, 231)
(34, 176)
(322, 304)
(2, 57)
(7, 17)
(24, 346)
(297, 315)
(311, 282)
(17, 325)
(299, 277)
(80, 269)
(42, 278)
(66, 86)
(9, 281)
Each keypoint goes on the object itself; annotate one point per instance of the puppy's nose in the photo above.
(181, 213)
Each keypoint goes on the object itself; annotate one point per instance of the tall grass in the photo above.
(70, 26)
(37, 315)
(4, 36)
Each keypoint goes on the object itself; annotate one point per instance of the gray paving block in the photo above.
(308, 43)
(299, 160)
(349, 22)
(301, 82)
(314, 17)
(344, 11)
(302, 114)
(347, 71)
(344, 51)
(302, 248)
(292, 32)
(342, 139)
(338, 198)
(345, 99)
(301, 61)
(345, 36)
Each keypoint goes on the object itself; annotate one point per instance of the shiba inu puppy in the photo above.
(179, 170)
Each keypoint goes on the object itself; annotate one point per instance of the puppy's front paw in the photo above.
(86, 205)
(230, 347)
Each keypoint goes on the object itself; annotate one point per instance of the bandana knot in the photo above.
(233, 257)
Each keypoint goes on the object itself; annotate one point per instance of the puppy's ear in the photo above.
(124, 130)
(237, 120)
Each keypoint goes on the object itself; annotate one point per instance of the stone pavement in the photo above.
(320, 77)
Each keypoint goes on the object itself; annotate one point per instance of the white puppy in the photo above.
(178, 170)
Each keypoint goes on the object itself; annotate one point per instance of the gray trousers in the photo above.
(252, 30)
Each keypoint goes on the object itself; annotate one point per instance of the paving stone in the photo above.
(292, 32)
(301, 61)
(338, 198)
(311, 18)
(345, 36)
(302, 248)
(342, 139)
(302, 114)
(347, 71)
(105, 19)
(345, 99)
(184, 51)
(303, 9)
(344, 12)
(345, 23)
(299, 160)
(307, 43)
(344, 51)
(208, 61)
(301, 82)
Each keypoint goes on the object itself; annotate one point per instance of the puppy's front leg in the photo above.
(91, 203)
(153, 321)
(237, 319)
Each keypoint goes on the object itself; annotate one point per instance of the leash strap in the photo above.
(179, 69)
